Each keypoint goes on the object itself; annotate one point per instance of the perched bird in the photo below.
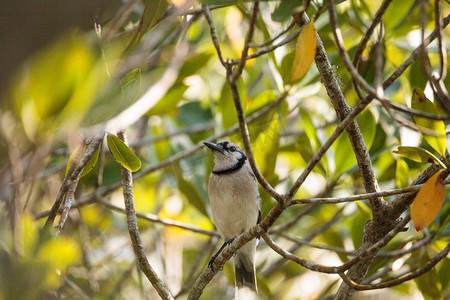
(234, 197)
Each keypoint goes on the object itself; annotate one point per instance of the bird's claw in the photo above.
(213, 258)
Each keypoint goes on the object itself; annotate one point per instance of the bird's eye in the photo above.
(232, 149)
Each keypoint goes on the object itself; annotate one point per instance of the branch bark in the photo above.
(136, 241)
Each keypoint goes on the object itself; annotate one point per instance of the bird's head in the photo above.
(226, 155)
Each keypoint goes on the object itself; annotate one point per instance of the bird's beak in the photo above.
(213, 147)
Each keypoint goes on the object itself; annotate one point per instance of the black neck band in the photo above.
(234, 168)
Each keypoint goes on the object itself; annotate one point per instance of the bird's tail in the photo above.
(244, 267)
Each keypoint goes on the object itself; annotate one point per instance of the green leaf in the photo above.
(429, 284)
(153, 11)
(265, 148)
(332, 238)
(190, 191)
(344, 156)
(443, 272)
(90, 164)
(358, 221)
(396, 14)
(444, 217)
(418, 154)
(193, 64)
(417, 78)
(307, 150)
(285, 10)
(169, 102)
(401, 174)
(226, 103)
(122, 153)
(420, 102)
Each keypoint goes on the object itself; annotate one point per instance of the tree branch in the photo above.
(136, 241)
(413, 274)
(155, 219)
(74, 173)
(207, 274)
(86, 199)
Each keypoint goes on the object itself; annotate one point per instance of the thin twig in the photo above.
(301, 261)
(346, 60)
(208, 273)
(322, 228)
(155, 219)
(335, 200)
(276, 37)
(376, 20)
(70, 197)
(413, 56)
(321, 152)
(86, 199)
(149, 99)
(438, 24)
(306, 210)
(413, 274)
(213, 33)
(138, 247)
(248, 39)
(388, 254)
(232, 78)
(74, 172)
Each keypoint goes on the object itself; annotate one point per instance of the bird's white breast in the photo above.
(234, 201)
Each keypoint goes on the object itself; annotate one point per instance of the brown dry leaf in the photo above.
(304, 53)
(428, 202)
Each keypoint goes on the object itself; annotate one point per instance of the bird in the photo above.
(235, 207)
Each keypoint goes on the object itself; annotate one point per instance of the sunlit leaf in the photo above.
(122, 153)
(304, 52)
(417, 154)
(54, 87)
(28, 234)
(169, 102)
(60, 254)
(396, 14)
(420, 102)
(95, 217)
(90, 164)
(428, 202)
(265, 148)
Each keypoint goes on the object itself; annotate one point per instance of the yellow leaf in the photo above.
(304, 53)
(428, 202)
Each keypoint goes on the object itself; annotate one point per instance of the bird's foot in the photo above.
(211, 261)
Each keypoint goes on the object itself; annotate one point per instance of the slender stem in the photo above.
(136, 241)
(155, 219)
(74, 173)
(212, 30)
(396, 281)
